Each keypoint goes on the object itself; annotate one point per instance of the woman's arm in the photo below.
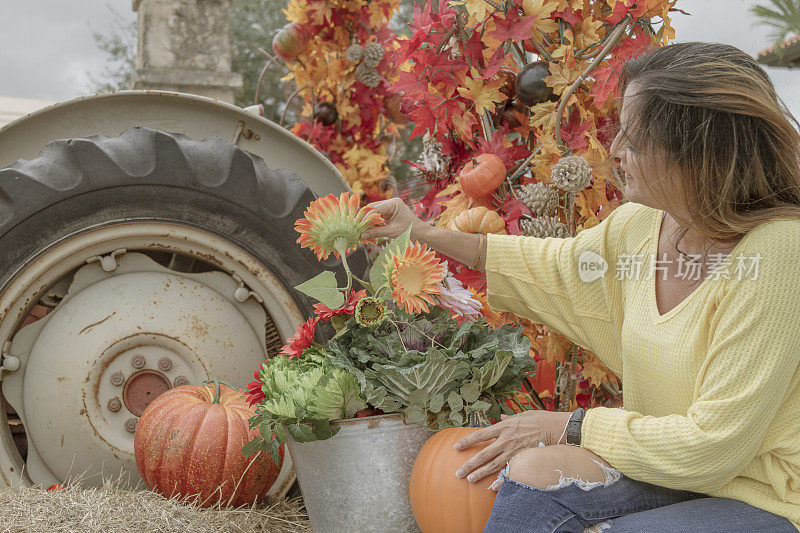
(466, 248)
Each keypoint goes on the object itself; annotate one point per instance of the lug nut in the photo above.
(117, 378)
(130, 425)
(180, 381)
(165, 364)
(137, 361)
(114, 405)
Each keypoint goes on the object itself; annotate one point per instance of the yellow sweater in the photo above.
(711, 388)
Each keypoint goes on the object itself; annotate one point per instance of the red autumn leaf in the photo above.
(410, 85)
(569, 15)
(473, 50)
(470, 278)
(512, 27)
(509, 154)
(574, 131)
(514, 208)
(495, 62)
(607, 74)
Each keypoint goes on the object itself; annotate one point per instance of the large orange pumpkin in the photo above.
(441, 502)
(188, 443)
(482, 179)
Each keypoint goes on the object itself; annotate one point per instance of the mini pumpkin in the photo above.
(290, 41)
(188, 445)
(478, 220)
(481, 179)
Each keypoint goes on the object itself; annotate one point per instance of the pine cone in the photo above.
(367, 75)
(545, 226)
(572, 173)
(355, 53)
(541, 198)
(373, 54)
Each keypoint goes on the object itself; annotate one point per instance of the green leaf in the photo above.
(480, 405)
(436, 374)
(436, 402)
(457, 418)
(301, 432)
(377, 274)
(274, 451)
(491, 372)
(253, 446)
(418, 398)
(323, 287)
(323, 429)
(470, 391)
(280, 433)
(336, 395)
(454, 401)
(415, 414)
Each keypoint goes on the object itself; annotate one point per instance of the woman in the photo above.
(709, 439)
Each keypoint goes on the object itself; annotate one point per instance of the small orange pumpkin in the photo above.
(188, 444)
(441, 502)
(478, 220)
(482, 179)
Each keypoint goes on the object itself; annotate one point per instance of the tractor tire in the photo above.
(144, 174)
(78, 185)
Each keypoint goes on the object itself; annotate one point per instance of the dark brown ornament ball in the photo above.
(325, 113)
(530, 86)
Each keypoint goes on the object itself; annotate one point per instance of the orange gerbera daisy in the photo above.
(333, 224)
(414, 276)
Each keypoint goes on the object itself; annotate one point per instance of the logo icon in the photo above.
(591, 266)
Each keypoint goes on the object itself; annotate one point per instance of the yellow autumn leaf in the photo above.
(560, 77)
(454, 206)
(365, 160)
(483, 95)
(543, 116)
(588, 32)
(453, 188)
(478, 10)
(541, 10)
(593, 369)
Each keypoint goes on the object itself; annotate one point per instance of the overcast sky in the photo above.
(47, 50)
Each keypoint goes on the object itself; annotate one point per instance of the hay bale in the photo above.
(112, 510)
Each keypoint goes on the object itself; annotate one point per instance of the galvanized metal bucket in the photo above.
(358, 480)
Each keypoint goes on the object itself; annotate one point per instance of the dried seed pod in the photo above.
(572, 173)
(373, 54)
(355, 53)
(545, 226)
(367, 75)
(541, 198)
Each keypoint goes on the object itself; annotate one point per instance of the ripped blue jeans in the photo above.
(620, 505)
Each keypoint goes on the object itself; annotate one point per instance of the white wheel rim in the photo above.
(29, 284)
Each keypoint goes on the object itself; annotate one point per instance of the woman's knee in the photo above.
(553, 466)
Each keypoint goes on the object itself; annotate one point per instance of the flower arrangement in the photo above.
(413, 341)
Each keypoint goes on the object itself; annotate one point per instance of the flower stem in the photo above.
(340, 245)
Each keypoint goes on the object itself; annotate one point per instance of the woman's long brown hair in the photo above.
(713, 114)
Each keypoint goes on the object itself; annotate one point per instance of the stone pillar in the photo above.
(185, 46)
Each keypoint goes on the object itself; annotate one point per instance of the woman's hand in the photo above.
(513, 434)
(397, 217)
